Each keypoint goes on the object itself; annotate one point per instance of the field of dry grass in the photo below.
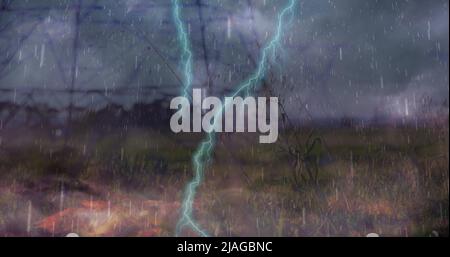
(390, 180)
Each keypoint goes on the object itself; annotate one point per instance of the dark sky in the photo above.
(339, 58)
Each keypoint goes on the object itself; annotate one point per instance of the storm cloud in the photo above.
(340, 58)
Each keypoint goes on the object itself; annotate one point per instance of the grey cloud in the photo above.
(342, 58)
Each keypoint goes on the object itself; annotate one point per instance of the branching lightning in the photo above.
(202, 155)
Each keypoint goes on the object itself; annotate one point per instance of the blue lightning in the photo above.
(186, 63)
(202, 155)
(186, 55)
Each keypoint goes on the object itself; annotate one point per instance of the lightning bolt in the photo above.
(186, 54)
(202, 155)
(186, 63)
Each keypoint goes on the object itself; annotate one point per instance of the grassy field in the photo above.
(389, 180)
